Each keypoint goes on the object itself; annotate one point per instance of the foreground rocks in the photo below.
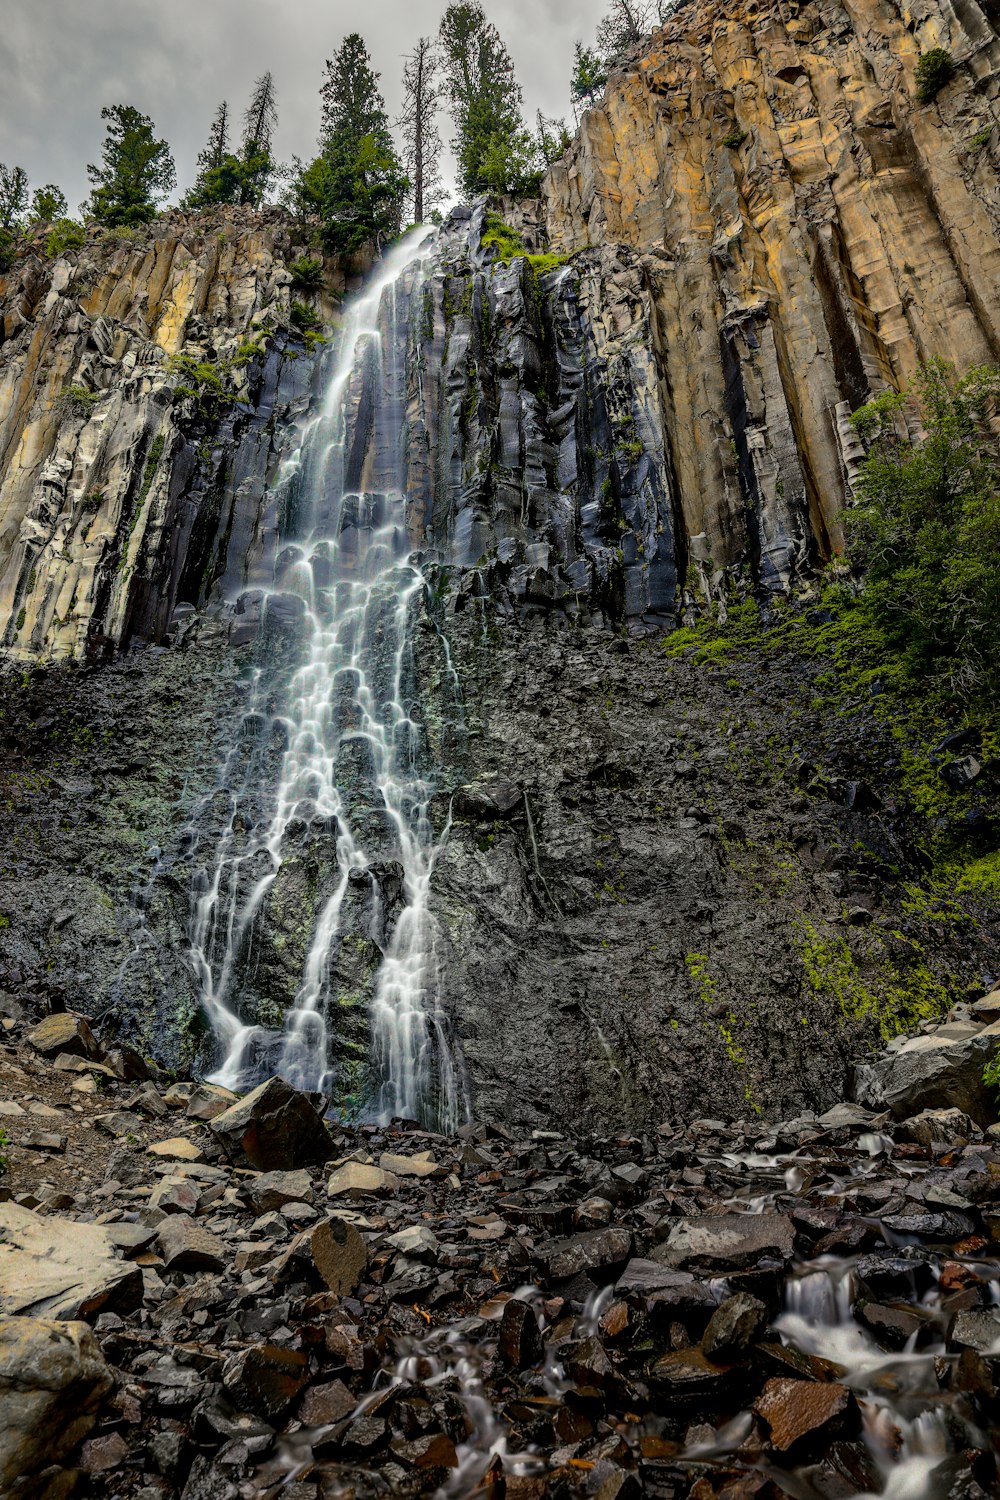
(732, 1311)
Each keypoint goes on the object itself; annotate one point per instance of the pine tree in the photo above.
(13, 195)
(259, 124)
(216, 149)
(48, 204)
(495, 152)
(589, 76)
(136, 170)
(418, 120)
(356, 185)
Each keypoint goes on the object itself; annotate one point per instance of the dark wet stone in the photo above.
(734, 1327)
(727, 1240)
(519, 1343)
(592, 1251)
(265, 1378)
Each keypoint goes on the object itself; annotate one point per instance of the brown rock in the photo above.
(64, 1033)
(804, 1412)
(520, 1345)
(272, 1190)
(339, 1255)
(323, 1404)
(100, 1454)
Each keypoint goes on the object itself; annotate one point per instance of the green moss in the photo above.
(78, 400)
(19, 622)
(897, 998)
(541, 265)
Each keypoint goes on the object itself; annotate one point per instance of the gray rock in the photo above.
(272, 1190)
(942, 1070)
(53, 1378)
(948, 1127)
(977, 1328)
(274, 1128)
(356, 1180)
(732, 1240)
(188, 1246)
(52, 1267)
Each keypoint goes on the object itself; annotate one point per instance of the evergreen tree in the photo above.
(589, 77)
(136, 170)
(421, 138)
(356, 185)
(13, 195)
(259, 124)
(216, 148)
(495, 152)
(48, 204)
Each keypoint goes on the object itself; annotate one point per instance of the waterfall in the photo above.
(331, 748)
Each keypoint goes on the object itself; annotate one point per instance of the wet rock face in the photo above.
(805, 231)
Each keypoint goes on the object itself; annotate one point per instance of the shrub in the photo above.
(307, 273)
(304, 318)
(65, 234)
(991, 1073)
(934, 70)
(734, 137)
(8, 249)
(925, 531)
(204, 383)
(499, 236)
(78, 400)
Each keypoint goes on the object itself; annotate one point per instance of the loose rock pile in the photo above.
(251, 1303)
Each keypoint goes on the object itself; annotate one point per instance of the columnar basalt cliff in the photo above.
(804, 231)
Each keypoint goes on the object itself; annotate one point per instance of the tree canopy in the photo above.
(357, 184)
(418, 121)
(495, 152)
(135, 172)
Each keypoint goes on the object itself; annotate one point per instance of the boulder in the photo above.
(61, 1268)
(339, 1255)
(731, 1240)
(798, 1413)
(64, 1033)
(586, 1252)
(177, 1148)
(53, 1378)
(356, 1180)
(941, 1070)
(488, 801)
(945, 1127)
(987, 1009)
(422, 1165)
(273, 1129)
(736, 1324)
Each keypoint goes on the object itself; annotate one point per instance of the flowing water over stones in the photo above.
(331, 749)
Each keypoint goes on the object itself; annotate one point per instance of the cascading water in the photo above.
(349, 766)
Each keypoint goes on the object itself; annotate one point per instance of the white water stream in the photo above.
(346, 575)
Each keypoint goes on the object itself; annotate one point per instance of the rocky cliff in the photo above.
(143, 379)
(669, 886)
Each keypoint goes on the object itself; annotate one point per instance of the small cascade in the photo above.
(331, 748)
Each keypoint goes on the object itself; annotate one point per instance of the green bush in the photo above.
(65, 234)
(8, 249)
(78, 400)
(306, 273)
(991, 1073)
(499, 236)
(734, 138)
(934, 70)
(205, 383)
(304, 318)
(925, 531)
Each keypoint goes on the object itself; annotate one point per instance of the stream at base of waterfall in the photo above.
(332, 732)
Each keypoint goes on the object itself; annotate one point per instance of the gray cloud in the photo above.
(61, 60)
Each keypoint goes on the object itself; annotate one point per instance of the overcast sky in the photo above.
(61, 60)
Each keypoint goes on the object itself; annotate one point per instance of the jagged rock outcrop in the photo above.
(119, 496)
(803, 231)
